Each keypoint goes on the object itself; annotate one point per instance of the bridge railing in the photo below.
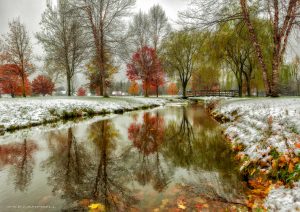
(222, 93)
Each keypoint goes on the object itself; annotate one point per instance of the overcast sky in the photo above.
(30, 12)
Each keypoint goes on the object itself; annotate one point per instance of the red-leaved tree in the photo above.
(145, 66)
(11, 82)
(172, 89)
(42, 85)
(81, 92)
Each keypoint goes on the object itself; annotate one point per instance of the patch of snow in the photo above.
(260, 125)
(18, 113)
(284, 199)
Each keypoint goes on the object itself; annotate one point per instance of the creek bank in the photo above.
(22, 113)
(264, 132)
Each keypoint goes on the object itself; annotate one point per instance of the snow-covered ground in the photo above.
(267, 129)
(21, 112)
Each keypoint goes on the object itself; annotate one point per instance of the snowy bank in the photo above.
(266, 133)
(21, 113)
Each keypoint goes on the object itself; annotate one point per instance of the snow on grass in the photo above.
(20, 113)
(284, 199)
(273, 123)
(266, 127)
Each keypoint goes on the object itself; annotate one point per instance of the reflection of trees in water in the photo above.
(148, 137)
(111, 176)
(66, 164)
(179, 141)
(199, 146)
(20, 157)
(77, 172)
(214, 186)
(202, 149)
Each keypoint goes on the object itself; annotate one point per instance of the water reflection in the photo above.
(19, 157)
(110, 176)
(147, 137)
(66, 165)
(134, 161)
(179, 141)
(92, 172)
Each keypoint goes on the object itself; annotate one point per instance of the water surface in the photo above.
(164, 159)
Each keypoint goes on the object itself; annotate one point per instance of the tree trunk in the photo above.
(69, 85)
(248, 84)
(157, 91)
(101, 86)
(184, 91)
(248, 88)
(23, 87)
(240, 90)
(146, 92)
(275, 78)
(257, 47)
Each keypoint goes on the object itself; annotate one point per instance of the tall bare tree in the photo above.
(159, 25)
(139, 33)
(18, 50)
(148, 29)
(63, 40)
(282, 14)
(103, 19)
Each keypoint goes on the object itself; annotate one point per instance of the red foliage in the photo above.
(145, 66)
(12, 154)
(11, 82)
(147, 136)
(172, 89)
(42, 85)
(81, 92)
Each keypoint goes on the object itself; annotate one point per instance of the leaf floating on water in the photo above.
(97, 207)
(181, 204)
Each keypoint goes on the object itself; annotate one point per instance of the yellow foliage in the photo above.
(96, 207)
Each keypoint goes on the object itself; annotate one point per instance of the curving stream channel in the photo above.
(170, 158)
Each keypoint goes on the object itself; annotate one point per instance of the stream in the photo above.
(171, 158)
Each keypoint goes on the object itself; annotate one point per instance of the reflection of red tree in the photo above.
(12, 154)
(147, 136)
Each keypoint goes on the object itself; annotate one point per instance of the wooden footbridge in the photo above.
(223, 93)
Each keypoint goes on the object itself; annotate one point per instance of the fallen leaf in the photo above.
(97, 207)
(291, 167)
(181, 204)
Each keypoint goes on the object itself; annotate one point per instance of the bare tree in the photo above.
(159, 25)
(139, 33)
(282, 14)
(148, 29)
(103, 19)
(18, 50)
(63, 40)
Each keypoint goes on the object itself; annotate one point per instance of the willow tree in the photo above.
(179, 52)
(282, 14)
